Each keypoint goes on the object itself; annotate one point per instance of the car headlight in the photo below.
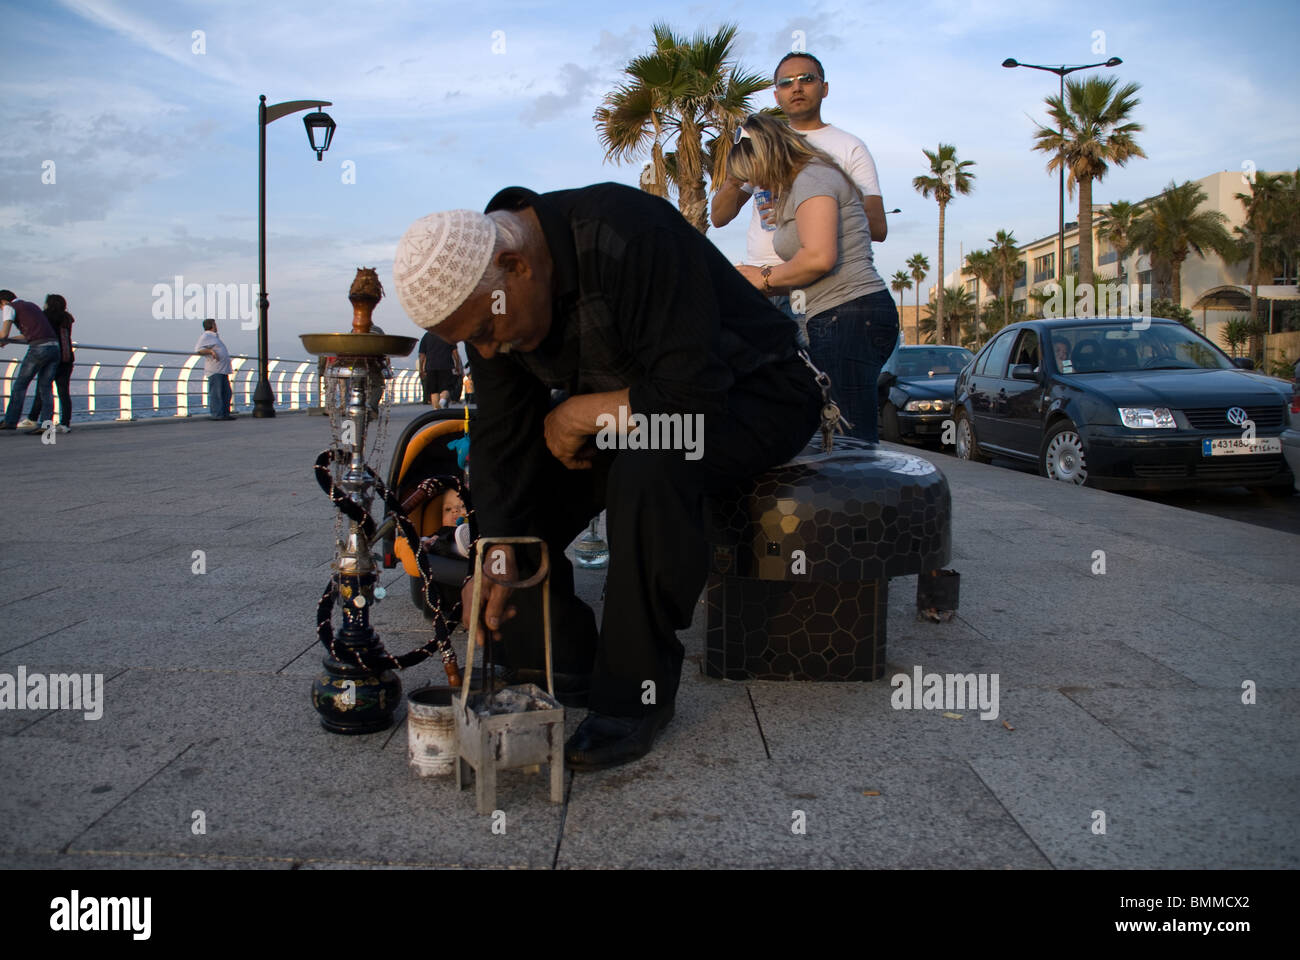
(1147, 418)
(926, 406)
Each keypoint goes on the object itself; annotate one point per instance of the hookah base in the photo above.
(351, 700)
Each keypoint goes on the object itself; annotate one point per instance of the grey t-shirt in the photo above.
(854, 275)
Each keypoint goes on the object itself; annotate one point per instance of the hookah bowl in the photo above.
(349, 698)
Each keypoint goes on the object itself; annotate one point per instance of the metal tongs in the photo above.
(542, 576)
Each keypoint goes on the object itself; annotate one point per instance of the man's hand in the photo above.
(568, 433)
(727, 202)
(494, 611)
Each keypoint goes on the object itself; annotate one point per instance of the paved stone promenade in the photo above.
(1124, 691)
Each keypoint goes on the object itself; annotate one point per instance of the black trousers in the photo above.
(657, 527)
(63, 381)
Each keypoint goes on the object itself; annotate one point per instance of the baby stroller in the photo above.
(422, 471)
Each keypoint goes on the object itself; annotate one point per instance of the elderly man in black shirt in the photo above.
(607, 294)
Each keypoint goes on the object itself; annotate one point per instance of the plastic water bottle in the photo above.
(591, 551)
(760, 197)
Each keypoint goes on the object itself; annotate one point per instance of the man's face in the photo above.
(515, 316)
(800, 100)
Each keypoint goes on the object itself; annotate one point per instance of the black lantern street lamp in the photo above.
(318, 124)
(1061, 71)
(322, 122)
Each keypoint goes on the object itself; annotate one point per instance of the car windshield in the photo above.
(1124, 348)
(929, 362)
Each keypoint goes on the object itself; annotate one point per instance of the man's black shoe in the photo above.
(603, 741)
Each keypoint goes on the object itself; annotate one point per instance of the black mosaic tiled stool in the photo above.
(799, 580)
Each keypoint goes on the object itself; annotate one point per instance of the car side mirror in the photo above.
(1243, 363)
(1024, 371)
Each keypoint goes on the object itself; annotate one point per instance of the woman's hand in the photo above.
(752, 273)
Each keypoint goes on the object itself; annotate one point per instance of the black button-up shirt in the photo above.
(642, 300)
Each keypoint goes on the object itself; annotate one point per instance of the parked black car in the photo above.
(916, 390)
(1124, 403)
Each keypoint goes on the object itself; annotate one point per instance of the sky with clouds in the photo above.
(154, 141)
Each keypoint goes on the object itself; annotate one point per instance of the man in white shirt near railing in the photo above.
(217, 368)
(800, 88)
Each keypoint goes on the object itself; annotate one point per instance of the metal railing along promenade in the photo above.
(142, 386)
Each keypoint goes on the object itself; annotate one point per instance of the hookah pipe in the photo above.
(365, 293)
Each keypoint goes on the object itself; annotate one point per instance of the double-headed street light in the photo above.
(1061, 71)
(320, 131)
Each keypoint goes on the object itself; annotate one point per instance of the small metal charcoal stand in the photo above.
(519, 726)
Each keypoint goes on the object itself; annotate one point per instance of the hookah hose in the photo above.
(378, 660)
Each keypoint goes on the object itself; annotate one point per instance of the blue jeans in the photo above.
(219, 395)
(782, 302)
(851, 342)
(40, 364)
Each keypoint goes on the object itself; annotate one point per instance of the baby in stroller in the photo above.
(452, 539)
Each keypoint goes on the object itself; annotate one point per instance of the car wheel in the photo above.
(889, 423)
(1063, 455)
(967, 446)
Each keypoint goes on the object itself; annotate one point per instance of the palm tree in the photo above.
(899, 282)
(1282, 244)
(1261, 205)
(1115, 225)
(947, 177)
(1171, 227)
(1091, 133)
(981, 265)
(919, 266)
(1006, 254)
(684, 89)
(995, 314)
(952, 302)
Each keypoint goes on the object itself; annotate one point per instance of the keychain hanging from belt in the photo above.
(832, 420)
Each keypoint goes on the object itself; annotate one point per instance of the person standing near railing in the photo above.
(40, 363)
(56, 311)
(217, 368)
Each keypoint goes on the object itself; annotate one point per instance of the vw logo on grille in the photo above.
(1237, 416)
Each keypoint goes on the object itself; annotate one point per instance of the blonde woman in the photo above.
(823, 236)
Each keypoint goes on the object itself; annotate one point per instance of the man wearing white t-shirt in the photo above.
(850, 345)
(799, 91)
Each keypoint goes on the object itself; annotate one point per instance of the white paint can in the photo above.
(431, 731)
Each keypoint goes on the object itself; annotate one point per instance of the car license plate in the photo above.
(1236, 446)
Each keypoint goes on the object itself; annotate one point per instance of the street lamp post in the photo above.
(263, 399)
(1061, 71)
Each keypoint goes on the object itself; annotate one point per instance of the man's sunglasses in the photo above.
(785, 83)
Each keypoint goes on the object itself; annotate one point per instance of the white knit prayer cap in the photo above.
(440, 260)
